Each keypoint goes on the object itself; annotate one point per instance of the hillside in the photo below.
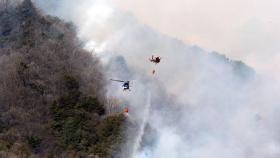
(197, 104)
(55, 100)
(52, 92)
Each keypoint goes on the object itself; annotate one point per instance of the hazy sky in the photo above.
(248, 30)
(219, 114)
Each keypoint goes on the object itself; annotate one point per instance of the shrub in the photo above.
(5, 145)
(34, 142)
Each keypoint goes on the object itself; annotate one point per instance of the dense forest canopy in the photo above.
(52, 92)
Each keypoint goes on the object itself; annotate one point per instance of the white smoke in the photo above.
(140, 135)
(212, 107)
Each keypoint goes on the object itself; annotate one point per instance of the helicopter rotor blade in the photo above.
(117, 80)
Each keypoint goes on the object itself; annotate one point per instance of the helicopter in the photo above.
(125, 84)
(155, 59)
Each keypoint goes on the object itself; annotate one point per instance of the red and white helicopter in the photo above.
(155, 59)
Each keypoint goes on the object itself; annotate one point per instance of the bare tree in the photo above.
(4, 5)
(113, 105)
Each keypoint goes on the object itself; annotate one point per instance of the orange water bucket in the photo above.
(125, 110)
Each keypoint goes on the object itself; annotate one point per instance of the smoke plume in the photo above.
(203, 104)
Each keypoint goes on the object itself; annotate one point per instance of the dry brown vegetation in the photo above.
(39, 57)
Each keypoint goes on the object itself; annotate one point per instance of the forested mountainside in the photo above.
(52, 94)
(53, 100)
